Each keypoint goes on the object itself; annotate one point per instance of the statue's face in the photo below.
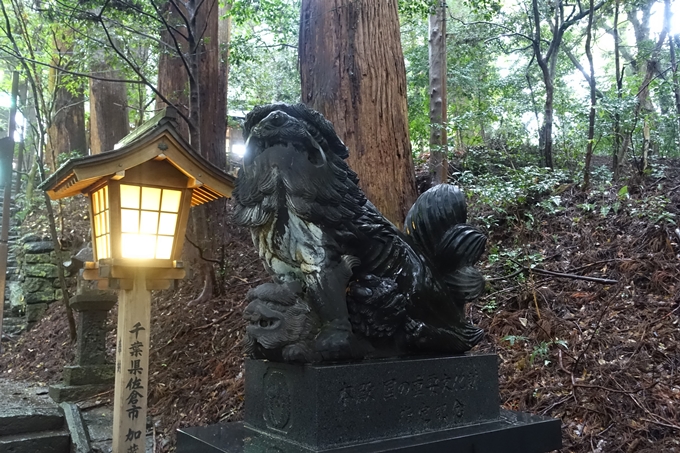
(276, 325)
(282, 140)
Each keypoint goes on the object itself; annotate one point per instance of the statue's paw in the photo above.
(373, 291)
(298, 352)
(336, 341)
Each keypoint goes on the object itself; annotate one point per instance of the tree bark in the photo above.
(109, 119)
(173, 79)
(208, 220)
(593, 98)
(192, 75)
(438, 103)
(619, 87)
(673, 43)
(352, 71)
(66, 132)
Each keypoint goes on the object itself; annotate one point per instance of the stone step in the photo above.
(22, 420)
(13, 325)
(38, 442)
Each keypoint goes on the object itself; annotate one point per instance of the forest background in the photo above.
(561, 120)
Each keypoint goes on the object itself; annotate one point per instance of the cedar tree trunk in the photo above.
(109, 120)
(352, 71)
(66, 132)
(173, 80)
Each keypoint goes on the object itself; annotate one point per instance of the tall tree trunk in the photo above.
(212, 86)
(173, 79)
(438, 104)
(109, 119)
(66, 132)
(192, 76)
(208, 220)
(352, 71)
(593, 98)
(619, 87)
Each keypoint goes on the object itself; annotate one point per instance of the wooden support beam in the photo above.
(131, 394)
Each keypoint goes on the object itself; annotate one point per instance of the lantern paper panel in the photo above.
(148, 221)
(101, 223)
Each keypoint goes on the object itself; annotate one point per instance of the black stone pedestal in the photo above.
(430, 404)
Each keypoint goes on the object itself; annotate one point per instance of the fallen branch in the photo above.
(605, 281)
(540, 271)
(607, 389)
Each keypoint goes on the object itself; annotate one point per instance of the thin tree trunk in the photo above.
(352, 71)
(438, 104)
(672, 43)
(593, 98)
(23, 90)
(646, 141)
(643, 93)
(619, 88)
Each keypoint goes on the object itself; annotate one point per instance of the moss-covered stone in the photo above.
(41, 270)
(39, 297)
(38, 247)
(35, 312)
(34, 284)
(40, 258)
(31, 237)
(89, 374)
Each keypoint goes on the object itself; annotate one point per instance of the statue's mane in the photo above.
(301, 112)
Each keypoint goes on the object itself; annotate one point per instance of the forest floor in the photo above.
(600, 354)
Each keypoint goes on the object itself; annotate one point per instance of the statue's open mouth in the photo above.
(281, 133)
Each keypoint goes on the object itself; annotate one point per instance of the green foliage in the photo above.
(511, 259)
(512, 339)
(64, 157)
(542, 350)
(415, 10)
(263, 53)
(504, 193)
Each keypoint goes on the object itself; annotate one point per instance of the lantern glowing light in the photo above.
(148, 221)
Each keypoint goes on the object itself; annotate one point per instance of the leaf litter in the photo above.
(603, 358)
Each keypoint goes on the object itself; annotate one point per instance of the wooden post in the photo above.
(132, 367)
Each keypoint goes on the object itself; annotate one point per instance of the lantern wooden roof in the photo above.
(157, 139)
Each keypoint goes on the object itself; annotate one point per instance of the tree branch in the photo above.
(141, 75)
(66, 71)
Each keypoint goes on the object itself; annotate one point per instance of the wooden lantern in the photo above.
(140, 195)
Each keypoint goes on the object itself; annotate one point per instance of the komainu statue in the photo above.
(347, 284)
